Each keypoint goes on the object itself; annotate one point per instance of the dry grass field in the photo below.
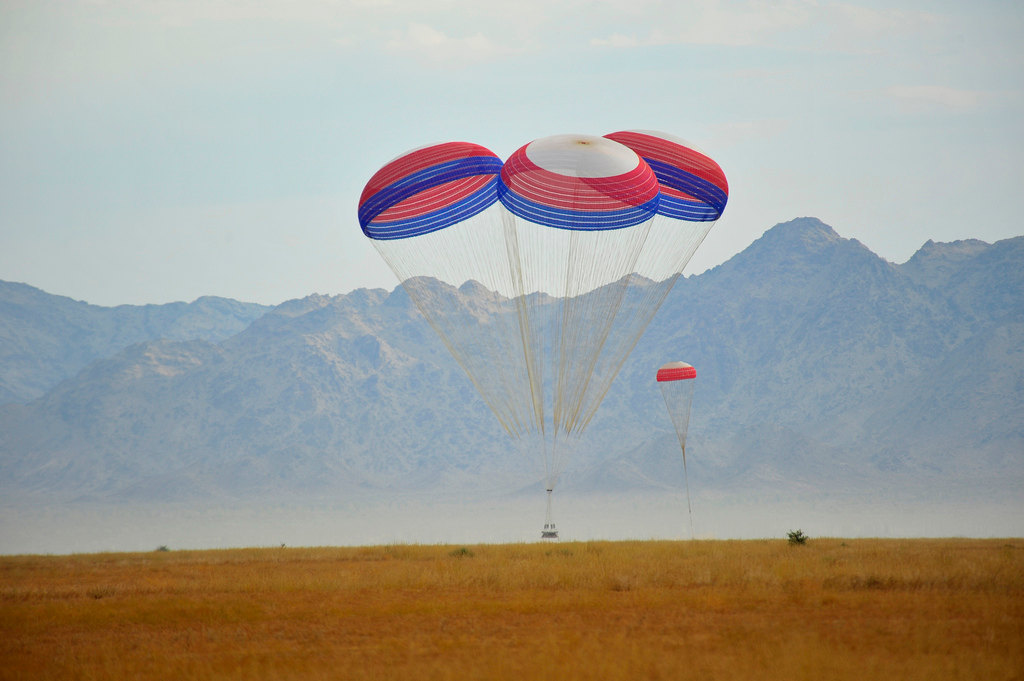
(830, 609)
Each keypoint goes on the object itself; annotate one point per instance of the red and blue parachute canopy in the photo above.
(676, 371)
(428, 189)
(693, 186)
(579, 182)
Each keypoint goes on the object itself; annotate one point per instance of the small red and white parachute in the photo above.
(677, 380)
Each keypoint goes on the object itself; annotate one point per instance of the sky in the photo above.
(160, 151)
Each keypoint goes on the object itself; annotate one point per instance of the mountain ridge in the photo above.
(821, 366)
(47, 338)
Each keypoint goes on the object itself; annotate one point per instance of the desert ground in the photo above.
(831, 608)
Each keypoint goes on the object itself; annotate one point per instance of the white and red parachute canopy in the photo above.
(676, 371)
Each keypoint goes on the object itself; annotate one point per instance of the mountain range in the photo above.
(823, 369)
(45, 339)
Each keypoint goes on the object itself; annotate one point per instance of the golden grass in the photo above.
(833, 609)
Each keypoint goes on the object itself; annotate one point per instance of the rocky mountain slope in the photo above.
(821, 368)
(45, 339)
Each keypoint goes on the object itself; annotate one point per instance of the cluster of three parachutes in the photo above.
(540, 273)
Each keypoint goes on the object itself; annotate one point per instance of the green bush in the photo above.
(797, 537)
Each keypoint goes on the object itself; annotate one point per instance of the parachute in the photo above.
(540, 273)
(677, 380)
(693, 194)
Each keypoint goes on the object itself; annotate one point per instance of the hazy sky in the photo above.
(160, 151)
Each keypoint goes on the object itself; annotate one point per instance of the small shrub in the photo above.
(461, 553)
(797, 537)
(162, 547)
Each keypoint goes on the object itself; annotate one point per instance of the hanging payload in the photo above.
(677, 380)
(522, 268)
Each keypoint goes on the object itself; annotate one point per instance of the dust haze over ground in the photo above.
(86, 527)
